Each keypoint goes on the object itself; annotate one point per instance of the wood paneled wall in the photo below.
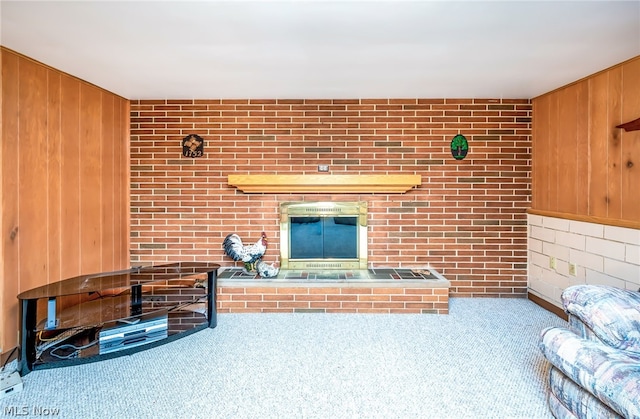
(65, 181)
(582, 164)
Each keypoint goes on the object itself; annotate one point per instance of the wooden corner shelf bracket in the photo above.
(630, 126)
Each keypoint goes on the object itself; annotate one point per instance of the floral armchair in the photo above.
(595, 363)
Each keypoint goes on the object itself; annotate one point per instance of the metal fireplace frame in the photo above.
(323, 209)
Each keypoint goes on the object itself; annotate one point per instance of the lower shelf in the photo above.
(90, 343)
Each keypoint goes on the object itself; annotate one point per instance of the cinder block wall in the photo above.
(583, 253)
(467, 220)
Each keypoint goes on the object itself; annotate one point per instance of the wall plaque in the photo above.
(459, 147)
(192, 146)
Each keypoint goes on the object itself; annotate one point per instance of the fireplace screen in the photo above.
(323, 235)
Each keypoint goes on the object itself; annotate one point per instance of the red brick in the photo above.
(500, 154)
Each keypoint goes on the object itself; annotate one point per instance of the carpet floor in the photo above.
(480, 361)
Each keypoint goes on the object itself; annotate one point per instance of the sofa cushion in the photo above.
(611, 375)
(559, 410)
(578, 327)
(613, 314)
(578, 401)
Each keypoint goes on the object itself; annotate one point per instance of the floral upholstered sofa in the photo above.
(595, 363)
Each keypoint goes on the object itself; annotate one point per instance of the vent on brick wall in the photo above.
(321, 210)
(322, 265)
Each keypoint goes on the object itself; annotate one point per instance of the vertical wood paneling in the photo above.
(70, 157)
(601, 177)
(2, 243)
(614, 151)
(107, 181)
(10, 211)
(552, 153)
(598, 151)
(90, 182)
(123, 198)
(582, 148)
(566, 149)
(534, 164)
(630, 144)
(54, 208)
(123, 181)
(32, 166)
(540, 156)
(54, 171)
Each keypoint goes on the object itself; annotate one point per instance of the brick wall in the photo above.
(467, 220)
(324, 298)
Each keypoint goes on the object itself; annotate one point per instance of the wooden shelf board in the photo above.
(324, 183)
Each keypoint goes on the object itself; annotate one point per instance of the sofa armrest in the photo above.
(579, 328)
(613, 314)
(611, 375)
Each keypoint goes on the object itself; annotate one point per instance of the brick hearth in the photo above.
(372, 291)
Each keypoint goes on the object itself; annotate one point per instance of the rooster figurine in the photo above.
(266, 271)
(249, 255)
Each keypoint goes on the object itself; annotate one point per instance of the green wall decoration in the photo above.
(459, 147)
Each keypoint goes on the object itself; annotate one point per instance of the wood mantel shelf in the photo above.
(324, 183)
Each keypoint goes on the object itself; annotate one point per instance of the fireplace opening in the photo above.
(323, 238)
(323, 235)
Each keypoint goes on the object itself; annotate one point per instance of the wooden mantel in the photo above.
(324, 183)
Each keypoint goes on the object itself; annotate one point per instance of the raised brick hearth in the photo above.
(371, 291)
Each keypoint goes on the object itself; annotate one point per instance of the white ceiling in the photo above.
(324, 49)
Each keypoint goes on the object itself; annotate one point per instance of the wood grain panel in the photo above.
(32, 175)
(566, 149)
(598, 149)
(602, 178)
(540, 154)
(582, 148)
(552, 152)
(123, 176)
(70, 157)
(52, 217)
(613, 138)
(325, 183)
(54, 174)
(90, 181)
(630, 144)
(108, 192)
(10, 229)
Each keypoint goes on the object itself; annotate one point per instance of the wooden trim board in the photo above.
(324, 183)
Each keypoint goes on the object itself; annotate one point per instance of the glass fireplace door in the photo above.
(323, 238)
(323, 235)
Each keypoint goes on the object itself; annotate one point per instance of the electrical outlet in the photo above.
(552, 262)
(573, 269)
(9, 384)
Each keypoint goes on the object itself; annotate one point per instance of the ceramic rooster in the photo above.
(265, 270)
(249, 254)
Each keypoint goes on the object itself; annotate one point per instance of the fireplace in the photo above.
(323, 235)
